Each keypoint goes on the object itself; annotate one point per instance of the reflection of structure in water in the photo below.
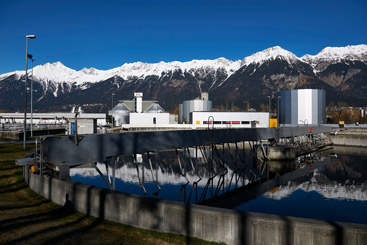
(210, 168)
(289, 148)
(202, 172)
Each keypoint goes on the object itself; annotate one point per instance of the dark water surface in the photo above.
(330, 185)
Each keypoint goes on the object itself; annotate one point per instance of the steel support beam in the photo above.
(96, 148)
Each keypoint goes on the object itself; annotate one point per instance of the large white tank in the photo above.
(302, 106)
(120, 114)
(189, 106)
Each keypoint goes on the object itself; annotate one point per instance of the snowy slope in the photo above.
(270, 54)
(59, 73)
(332, 55)
(142, 70)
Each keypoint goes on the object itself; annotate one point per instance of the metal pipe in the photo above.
(112, 109)
(76, 125)
(278, 117)
(25, 90)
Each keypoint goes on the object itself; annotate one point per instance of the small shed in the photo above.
(84, 125)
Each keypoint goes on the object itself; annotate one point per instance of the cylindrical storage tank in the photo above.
(186, 111)
(194, 105)
(302, 106)
(120, 114)
(121, 117)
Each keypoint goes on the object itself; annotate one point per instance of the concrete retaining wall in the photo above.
(213, 224)
(11, 135)
(349, 139)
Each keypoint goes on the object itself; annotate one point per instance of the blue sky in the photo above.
(106, 34)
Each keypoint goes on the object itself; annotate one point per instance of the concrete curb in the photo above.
(208, 223)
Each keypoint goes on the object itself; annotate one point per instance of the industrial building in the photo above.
(189, 106)
(139, 112)
(302, 106)
(51, 118)
(199, 112)
(82, 126)
(231, 118)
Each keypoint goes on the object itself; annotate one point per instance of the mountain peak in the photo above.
(270, 54)
(56, 72)
(350, 51)
(336, 54)
(56, 64)
(345, 52)
(91, 71)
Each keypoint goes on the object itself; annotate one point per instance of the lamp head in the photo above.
(30, 56)
(31, 36)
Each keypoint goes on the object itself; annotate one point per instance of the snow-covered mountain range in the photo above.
(336, 69)
(59, 73)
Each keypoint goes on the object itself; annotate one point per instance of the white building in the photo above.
(231, 118)
(139, 112)
(51, 118)
(149, 119)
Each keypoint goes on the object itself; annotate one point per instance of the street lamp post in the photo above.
(32, 101)
(31, 57)
(25, 90)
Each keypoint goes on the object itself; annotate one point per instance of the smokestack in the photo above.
(138, 102)
(204, 96)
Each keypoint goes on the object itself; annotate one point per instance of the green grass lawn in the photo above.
(27, 218)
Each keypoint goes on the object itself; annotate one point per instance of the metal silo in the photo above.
(120, 113)
(194, 105)
(180, 113)
(155, 108)
(302, 106)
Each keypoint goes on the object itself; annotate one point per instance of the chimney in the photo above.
(138, 97)
(204, 96)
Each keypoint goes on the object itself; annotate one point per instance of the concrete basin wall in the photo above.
(212, 224)
(349, 139)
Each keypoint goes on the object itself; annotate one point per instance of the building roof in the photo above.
(120, 107)
(147, 106)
